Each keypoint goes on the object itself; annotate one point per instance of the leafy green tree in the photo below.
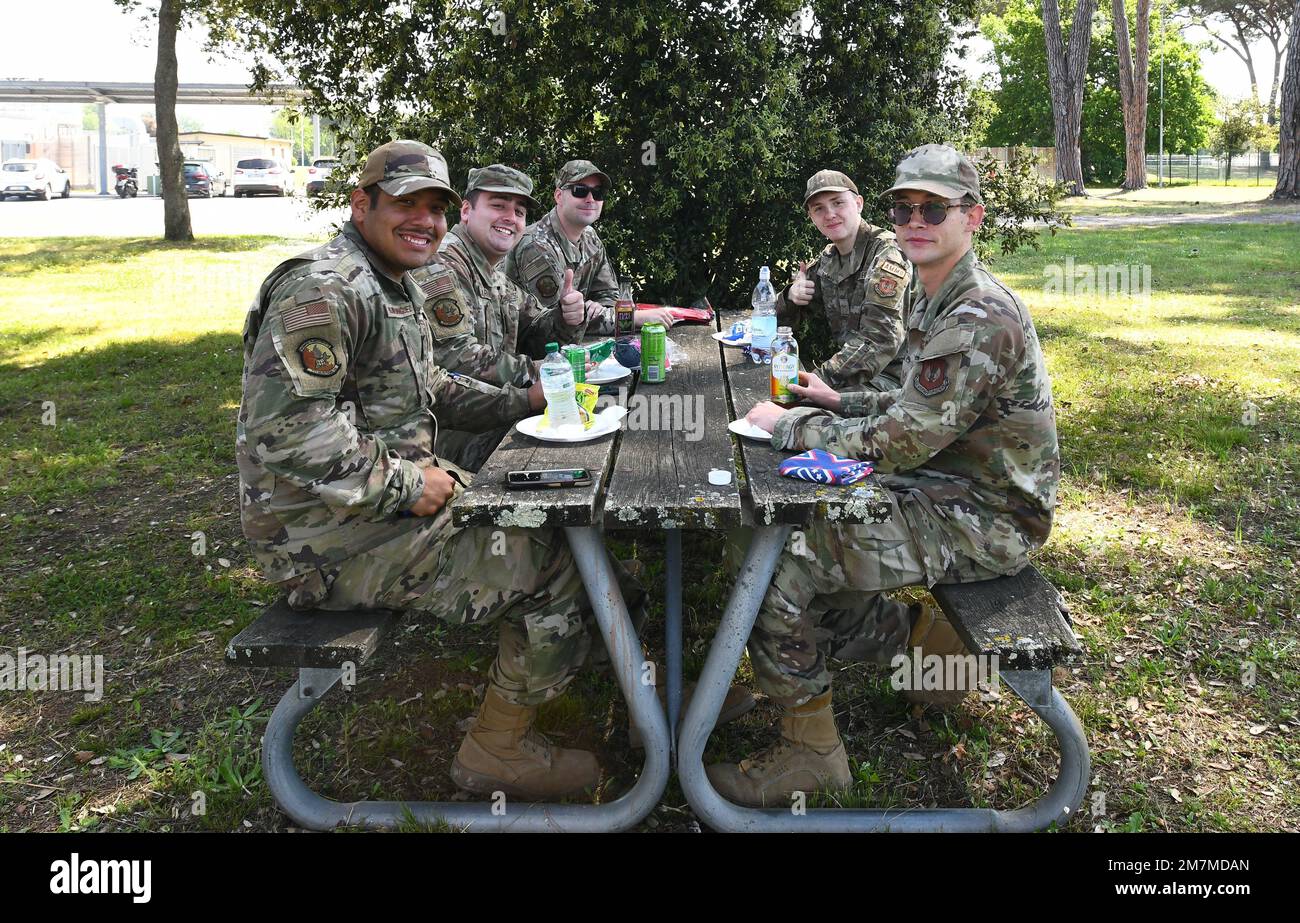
(708, 116)
(1024, 115)
(1243, 126)
(293, 124)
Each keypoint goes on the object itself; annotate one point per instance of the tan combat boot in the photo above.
(809, 758)
(739, 701)
(501, 753)
(934, 634)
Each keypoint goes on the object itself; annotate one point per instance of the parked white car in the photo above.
(36, 179)
(261, 174)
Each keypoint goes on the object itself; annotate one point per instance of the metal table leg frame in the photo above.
(310, 810)
(1058, 804)
(673, 631)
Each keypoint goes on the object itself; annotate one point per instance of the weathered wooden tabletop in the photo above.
(654, 471)
(777, 499)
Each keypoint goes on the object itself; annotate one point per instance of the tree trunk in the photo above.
(176, 208)
(1278, 52)
(1288, 169)
(1065, 73)
(1133, 69)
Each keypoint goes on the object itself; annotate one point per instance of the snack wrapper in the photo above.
(586, 396)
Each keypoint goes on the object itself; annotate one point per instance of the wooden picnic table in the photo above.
(653, 473)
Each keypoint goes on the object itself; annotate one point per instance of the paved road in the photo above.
(86, 214)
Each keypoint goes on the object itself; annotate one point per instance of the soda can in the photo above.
(654, 352)
(577, 356)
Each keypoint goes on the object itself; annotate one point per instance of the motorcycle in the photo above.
(126, 185)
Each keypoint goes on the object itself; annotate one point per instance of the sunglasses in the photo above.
(931, 212)
(581, 192)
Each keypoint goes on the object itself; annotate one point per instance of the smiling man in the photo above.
(966, 447)
(345, 503)
(565, 240)
(504, 327)
(859, 283)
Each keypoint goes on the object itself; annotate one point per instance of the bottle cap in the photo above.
(765, 273)
(784, 331)
(552, 348)
(719, 477)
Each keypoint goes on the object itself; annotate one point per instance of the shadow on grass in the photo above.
(25, 258)
(35, 336)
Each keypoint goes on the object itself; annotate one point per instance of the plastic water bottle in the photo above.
(558, 388)
(762, 325)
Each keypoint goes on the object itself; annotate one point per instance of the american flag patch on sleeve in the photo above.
(311, 314)
(440, 284)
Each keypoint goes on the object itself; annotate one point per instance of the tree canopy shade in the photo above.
(1023, 111)
(708, 117)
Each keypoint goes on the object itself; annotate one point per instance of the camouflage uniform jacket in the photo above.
(970, 437)
(538, 261)
(337, 419)
(864, 297)
(505, 325)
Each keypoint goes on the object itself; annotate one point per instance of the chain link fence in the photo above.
(1253, 168)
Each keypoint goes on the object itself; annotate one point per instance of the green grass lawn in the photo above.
(1176, 545)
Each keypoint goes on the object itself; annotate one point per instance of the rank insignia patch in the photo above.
(886, 286)
(448, 312)
(318, 358)
(932, 379)
(547, 286)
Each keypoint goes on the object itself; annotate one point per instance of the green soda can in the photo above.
(577, 356)
(654, 352)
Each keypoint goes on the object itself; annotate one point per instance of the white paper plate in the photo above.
(743, 427)
(722, 338)
(601, 375)
(607, 421)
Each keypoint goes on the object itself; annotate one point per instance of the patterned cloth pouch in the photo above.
(821, 467)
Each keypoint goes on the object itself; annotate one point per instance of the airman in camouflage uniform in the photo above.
(860, 283)
(966, 448)
(565, 239)
(504, 328)
(342, 497)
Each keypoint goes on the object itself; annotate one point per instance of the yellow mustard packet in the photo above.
(585, 396)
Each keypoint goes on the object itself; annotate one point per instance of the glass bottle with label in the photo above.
(785, 365)
(625, 309)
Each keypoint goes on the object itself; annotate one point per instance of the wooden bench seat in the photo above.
(284, 637)
(1022, 619)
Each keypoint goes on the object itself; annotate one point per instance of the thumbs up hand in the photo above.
(802, 288)
(573, 307)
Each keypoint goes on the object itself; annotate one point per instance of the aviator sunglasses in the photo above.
(931, 212)
(581, 192)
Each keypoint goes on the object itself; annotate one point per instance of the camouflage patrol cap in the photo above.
(576, 170)
(939, 169)
(402, 167)
(828, 181)
(500, 178)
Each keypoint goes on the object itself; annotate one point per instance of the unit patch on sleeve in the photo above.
(447, 312)
(318, 358)
(886, 286)
(932, 377)
(547, 286)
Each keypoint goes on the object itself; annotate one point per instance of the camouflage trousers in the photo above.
(825, 599)
(525, 580)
